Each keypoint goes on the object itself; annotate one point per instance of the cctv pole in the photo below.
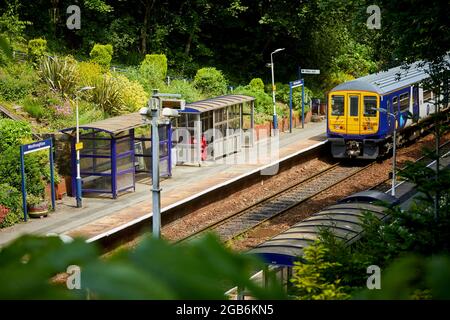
(156, 190)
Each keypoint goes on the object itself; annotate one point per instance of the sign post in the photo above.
(30, 148)
(297, 83)
(292, 85)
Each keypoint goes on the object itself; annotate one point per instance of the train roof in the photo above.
(390, 80)
(343, 220)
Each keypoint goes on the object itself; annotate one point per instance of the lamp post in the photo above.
(394, 147)
(151, 114)
(77, 147)
(275, 120)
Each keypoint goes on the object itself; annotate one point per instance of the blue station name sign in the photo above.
(37, 146)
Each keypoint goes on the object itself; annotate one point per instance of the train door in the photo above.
(415, 95)
(369, 115)
(353, 113)
(394, 109)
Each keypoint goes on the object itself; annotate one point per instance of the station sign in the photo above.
(36, 146)
(297, 83)
(310, 71)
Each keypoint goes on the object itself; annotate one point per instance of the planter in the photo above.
(38, 210)
(308, 116)
(60, 190)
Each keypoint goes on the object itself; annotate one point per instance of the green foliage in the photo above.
(88, 73)
(10, 23)
(132, 95)
(210, 82)
(314, 278)
(123, 34)
(16, 81)
(59, 74)
(10, 198)
(156, 64)
(5, 50)
(34, 107)
(413, 277)
(263, 102)
(107, 95)
(35, 169)
(256, 84)
(37, 48)
(13, 133)
(102, 54)
(186, 89)
(154, 270)
(98, 5)
(282, 94)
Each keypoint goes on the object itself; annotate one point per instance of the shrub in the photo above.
(34, 107)
(13, 133)
(88, 73)
(10, 199)
(37, 49)
(186, 89)
(263, 102)
(36, 167)
(256, 84)
(102, 54)
(16, 81)
(315, 277)
(107, 95)
(210, 82)
(157, 63)
(132, 94)
(282, 94)
(59, 73)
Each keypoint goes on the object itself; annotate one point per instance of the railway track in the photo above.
(249, 218)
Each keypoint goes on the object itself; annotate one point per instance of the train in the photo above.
(362, 113)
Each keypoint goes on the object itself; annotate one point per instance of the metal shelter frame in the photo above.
(111, 156)
(214, 128)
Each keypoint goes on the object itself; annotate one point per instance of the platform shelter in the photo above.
(214, 128)
(114, 151)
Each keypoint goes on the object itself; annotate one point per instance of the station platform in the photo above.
(102, 216)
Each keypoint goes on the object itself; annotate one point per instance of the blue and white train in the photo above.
(360, 119)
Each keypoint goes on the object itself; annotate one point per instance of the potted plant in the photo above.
(37, 206)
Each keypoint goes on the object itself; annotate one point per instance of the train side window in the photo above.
(354, 106)
(427, 95)
(404, 102)
(337, 105)
(370, 105)
(394, 103)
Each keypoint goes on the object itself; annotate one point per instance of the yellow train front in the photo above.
(362, 113)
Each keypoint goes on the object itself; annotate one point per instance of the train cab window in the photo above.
(370, 105)
(337, 105)
(404, 102)
(354, 106)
